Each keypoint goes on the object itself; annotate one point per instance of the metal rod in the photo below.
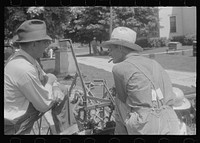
(90, 93)
(111, 98)
(110, 60)
(40, 126)
(98, 99)
(82, 83)
(94, 106)
(73, 83)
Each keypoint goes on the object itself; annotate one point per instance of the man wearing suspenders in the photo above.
(144, 95)
(28, 90)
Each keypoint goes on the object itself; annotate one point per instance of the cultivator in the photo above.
(97, 116)
(93, 114)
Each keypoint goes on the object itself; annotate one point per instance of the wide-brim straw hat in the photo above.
(180, 103)
(32, 30)
(123, 36)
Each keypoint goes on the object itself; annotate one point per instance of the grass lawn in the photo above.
(179, 62)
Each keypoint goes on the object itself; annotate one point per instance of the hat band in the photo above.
(40, 34)
(122, 40)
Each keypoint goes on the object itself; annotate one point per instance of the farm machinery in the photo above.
(94, 114)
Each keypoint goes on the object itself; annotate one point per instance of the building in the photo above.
(177, 21)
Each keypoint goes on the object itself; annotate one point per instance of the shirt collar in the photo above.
(131, 54)
(29, 58)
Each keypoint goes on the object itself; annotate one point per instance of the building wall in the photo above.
(185, 20)
(189, 20)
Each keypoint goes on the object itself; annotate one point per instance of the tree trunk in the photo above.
(90, 52)
(101, 49)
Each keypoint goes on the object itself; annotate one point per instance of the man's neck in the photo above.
(30, 52)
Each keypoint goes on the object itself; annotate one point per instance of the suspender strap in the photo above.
(157, 96)
(36, 65)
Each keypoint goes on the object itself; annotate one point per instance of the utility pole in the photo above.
(110, 21)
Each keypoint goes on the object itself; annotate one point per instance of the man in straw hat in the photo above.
(28, 90)
(183, 108)
(144, 96)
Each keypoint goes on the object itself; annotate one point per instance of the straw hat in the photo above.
(32, 30)
(181, 103)
(123, 36)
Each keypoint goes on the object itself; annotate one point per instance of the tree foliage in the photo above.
(81, 24)
(56, 18)
(88, 22)
(144, 20)
(13, 17)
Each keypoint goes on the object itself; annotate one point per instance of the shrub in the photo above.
(164, 41)
(157, 42)
(188, 39)
(143, 42)
(178, 39)
(184, 40)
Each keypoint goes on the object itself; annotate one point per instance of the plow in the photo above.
(94, 114)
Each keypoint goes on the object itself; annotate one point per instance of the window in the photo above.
(172, 24)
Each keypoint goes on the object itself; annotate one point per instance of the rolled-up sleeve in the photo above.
(35, 92)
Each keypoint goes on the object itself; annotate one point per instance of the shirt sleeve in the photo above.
(35, 92)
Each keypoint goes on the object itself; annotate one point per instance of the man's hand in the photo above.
(57, 94)
(51, 78)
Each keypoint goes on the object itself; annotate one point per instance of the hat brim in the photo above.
(129, 45)
(31, 40)
(185, 105)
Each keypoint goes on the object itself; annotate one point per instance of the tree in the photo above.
(56, 18)
(13, 17)
(89, 22)
(81, 24)
(144, 20)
